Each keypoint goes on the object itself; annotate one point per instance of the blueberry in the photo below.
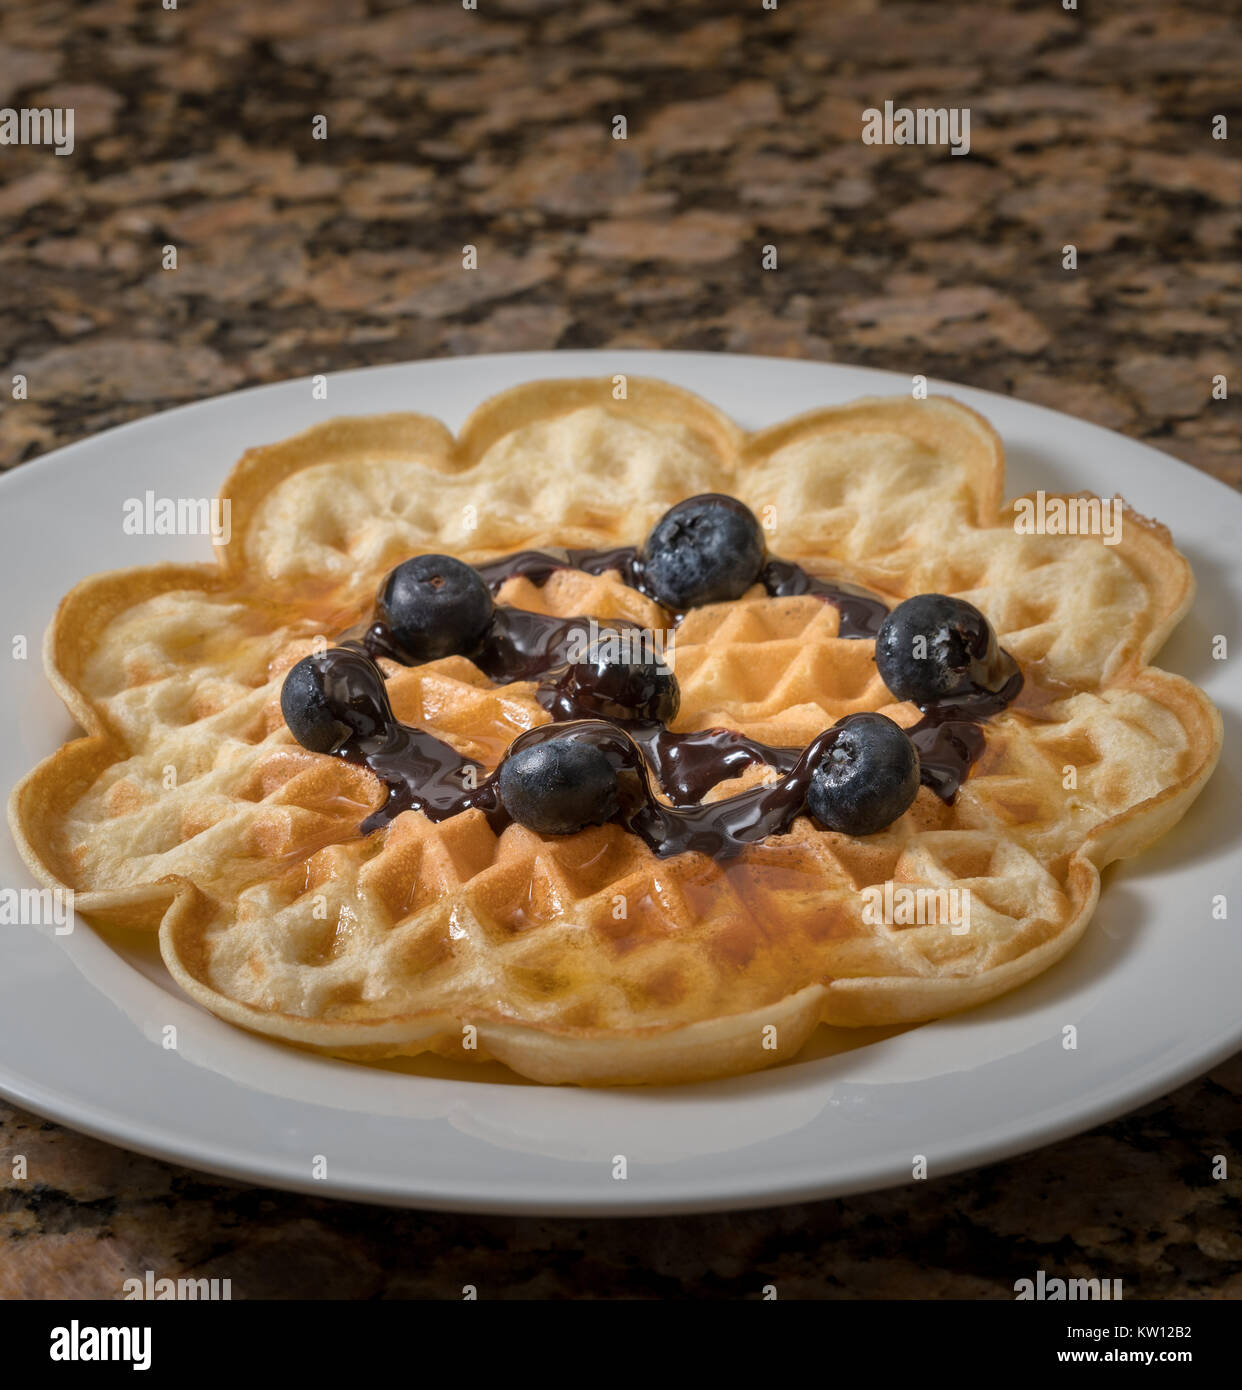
(625, 690)
(705, 550)
(933, 647)
(867, 777)
(558, 786)
(434, 606)
(333, 696)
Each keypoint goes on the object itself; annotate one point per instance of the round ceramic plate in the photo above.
(1152, 988)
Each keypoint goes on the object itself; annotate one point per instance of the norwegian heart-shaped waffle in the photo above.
(586, 958)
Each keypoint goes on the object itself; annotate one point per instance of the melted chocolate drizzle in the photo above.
(423, 773)
(722, 828)
(861, 612)
(517, 646)
(687, 765)
(949, 738)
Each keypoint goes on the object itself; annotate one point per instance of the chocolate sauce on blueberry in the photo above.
(949, 737)
(687, 765)
(722, 828)
(420, 771)
(423, 773)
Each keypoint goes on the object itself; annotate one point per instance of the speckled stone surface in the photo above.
(493, 127)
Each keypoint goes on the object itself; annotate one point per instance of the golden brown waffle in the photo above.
(188, 807)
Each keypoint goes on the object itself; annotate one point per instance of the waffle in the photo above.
(189, 809)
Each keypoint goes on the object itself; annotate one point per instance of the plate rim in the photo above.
(983, 1154)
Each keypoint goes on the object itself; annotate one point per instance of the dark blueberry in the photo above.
(434, 606)
(330, 697)
(933, 647)
(868, 776)
(707, 549)
(624, 690)
(558, 786)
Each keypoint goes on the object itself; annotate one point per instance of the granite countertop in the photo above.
(445, 127)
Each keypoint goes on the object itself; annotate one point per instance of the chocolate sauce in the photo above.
(861, 612)
(423, 773)
(517, 646)
(540, 565)
(420, 771)
(722, 828)
(949, 737)
(687, 765)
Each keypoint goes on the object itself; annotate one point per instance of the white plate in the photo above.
(1152, 988)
